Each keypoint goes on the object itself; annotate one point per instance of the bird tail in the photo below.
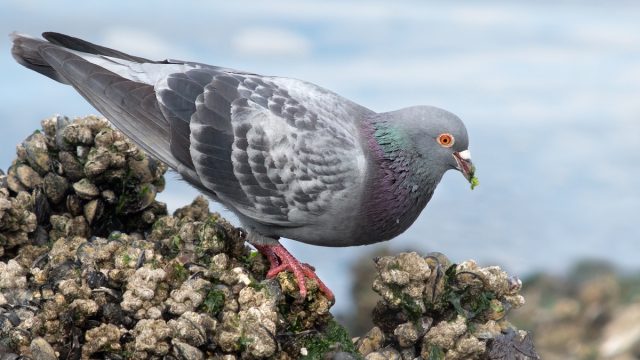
(130, 105)
(80, 45)
(26, 51)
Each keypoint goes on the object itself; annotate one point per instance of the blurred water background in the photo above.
(549, 91)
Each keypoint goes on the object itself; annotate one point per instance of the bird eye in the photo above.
(446, 140)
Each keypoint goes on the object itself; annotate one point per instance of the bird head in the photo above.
(437, 138)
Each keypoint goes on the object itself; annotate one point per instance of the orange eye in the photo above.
(446, 140)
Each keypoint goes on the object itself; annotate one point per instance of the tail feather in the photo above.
(74, 43)
(131, 106)
(26, 52)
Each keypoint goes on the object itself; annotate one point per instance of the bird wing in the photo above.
(116, 86)
(280, 151)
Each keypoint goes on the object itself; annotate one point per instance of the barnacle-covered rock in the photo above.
(252, 329)
(12, 278)
(371, 341)
(387, 353)
(17, 219)
(407, 334)
(186, 351)
(441, 310)
(3, 179)
(36, 152)
(63, 226)
(402, 280)
(85, 189)
(41, 350)
(71, 167)
(145, 295)
(55, 186)
(196, 329)
(189, 296)
(258, 307)
(92, 266)
(85, 168)
(102, 338)
(28, 177)
(151, 339)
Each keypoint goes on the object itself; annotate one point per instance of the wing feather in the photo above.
(279, 151)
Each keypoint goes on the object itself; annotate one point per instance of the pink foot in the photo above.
(282, 260)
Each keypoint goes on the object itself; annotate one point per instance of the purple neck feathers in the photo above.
(399, 185)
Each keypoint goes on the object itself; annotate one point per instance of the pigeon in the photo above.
(290, 158)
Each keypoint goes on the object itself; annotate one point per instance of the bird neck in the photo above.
(399, 180)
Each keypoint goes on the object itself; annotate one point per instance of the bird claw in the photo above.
(281, 260)
(274, 271)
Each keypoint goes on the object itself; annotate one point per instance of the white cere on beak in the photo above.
(465, 155)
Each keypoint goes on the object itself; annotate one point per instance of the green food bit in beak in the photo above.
(474, 182)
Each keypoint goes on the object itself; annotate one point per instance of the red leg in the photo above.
(282, 260)
(268, 252)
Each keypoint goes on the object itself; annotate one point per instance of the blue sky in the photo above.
(549, 90)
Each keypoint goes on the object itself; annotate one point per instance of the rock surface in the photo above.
(434, 309)
(92, 266)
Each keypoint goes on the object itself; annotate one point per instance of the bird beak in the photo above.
(464, 164)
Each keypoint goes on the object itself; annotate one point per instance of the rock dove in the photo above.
(290, 158)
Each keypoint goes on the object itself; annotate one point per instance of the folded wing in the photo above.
(279, 151)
